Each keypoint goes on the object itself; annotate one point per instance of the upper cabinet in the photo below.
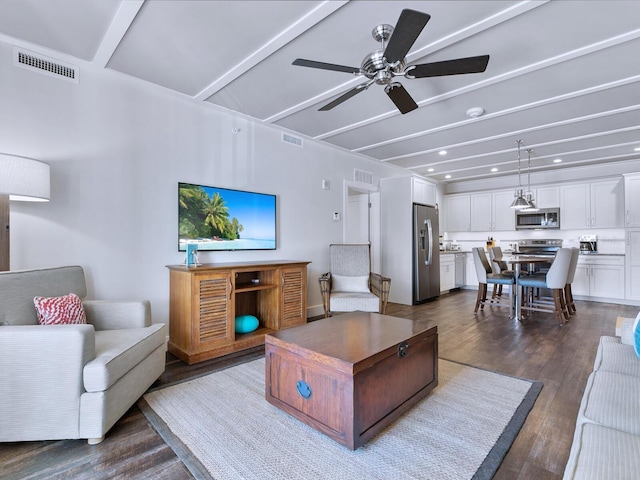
(423, 191)
(491, 211)
(457, 213)
(592, 205)
(547, 196)
(632, 200)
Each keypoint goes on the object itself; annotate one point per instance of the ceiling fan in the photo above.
(381, 66)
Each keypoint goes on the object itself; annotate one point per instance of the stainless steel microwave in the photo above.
(542, 219)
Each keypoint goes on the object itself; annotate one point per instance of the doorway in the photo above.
(361, 223)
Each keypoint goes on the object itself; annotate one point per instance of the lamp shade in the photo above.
(24, 179)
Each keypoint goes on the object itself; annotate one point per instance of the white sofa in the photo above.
(71, 381)
(606, 443)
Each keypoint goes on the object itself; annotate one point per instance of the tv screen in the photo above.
(223, 219)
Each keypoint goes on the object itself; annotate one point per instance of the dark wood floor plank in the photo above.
(536, 348)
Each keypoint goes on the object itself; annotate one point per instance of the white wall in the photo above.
(117, 149)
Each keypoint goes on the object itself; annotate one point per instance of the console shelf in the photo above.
(205, 301)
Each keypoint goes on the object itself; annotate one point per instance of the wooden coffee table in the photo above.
(351, 375)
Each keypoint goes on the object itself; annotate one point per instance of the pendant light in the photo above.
(519, 203)
(528, 196)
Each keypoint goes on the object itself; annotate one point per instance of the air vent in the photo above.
(46, 65)
(362, 176)
(291, 139)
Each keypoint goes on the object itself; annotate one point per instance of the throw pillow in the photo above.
(343, 283)
(63, 310)
(636, 335)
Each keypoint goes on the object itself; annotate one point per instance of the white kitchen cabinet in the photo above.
(424, 192)
(632, 276)
(632, 200)
(547, 196)
(460, 259)
(490, 211)
(457, 213)
(447, 272)
(600, 276)
(504, 217)
(481, 212)
(592, 205)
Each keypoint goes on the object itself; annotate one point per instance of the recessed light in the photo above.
(557, 160)
(475, 112)
(431, 170)
(442, 152)
(447, 176)
(494, 169)
(637, 149)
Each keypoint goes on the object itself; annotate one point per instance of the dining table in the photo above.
(516, 261)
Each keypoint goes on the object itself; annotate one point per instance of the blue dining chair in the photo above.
(554, 279)
(486, 276)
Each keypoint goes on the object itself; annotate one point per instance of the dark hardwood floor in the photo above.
(537, 349)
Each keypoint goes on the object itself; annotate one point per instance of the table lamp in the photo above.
(21, 179)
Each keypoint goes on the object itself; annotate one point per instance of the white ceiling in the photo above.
(563, 76)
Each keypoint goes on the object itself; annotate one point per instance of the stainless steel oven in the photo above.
(539, 246)
(544, 218)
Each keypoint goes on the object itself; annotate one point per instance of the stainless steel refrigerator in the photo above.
(426, 253)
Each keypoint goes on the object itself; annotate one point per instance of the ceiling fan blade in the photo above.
(405, 33)
(449, 67)
(400, 97)
(325, 66)
(344, 97)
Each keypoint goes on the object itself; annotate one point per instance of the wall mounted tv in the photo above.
(223, 219)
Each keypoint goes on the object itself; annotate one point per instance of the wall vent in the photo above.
(291, 139)
(362, 176)
(45, 65)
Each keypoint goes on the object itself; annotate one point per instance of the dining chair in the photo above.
(485, 276)
(498, 265)
(554, 279)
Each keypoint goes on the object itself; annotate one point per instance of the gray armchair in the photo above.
(71, 381)
(350, 285)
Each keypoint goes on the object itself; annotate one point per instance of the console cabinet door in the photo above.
(212, 309)
(293, 299)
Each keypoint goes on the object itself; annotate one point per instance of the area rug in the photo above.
(221, 427)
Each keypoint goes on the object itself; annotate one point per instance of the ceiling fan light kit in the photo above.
(382, 65)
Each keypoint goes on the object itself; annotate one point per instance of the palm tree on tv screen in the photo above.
(216, 215)
(201, 216)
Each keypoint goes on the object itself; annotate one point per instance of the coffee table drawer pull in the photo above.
(403, 348)
(303, 389)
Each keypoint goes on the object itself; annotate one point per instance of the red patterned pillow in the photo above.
(60, 310)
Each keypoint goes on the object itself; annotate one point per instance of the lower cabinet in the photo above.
(460, 259)
(599, 276)
(204, 302)
(447, 272)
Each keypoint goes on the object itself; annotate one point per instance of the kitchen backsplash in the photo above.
(610, 241)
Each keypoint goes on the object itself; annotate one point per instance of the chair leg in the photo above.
(557, 301)
(568, 294)
(482, 296)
